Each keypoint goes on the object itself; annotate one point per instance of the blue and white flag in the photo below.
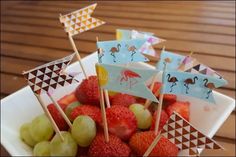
(121, 52)
(126, 80)
(174, 60)
(195, 85)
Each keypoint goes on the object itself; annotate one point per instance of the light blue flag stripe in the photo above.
(121, 52)
(195, 85)
(175, 59)
(127, 80)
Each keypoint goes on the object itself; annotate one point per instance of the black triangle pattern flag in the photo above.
(185, 136)
(49, 76)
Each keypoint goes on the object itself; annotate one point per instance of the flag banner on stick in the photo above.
(126, 80)
(80, 20)
(195, 85)
(185, 136)
(121, 52)
(174, 62)
(146, 48)
(48, 77)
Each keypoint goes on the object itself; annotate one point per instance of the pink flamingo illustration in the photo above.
(129, 77)
(189, 81)
(173, 80)
(131, 49)
(210, 86)
(114, 50)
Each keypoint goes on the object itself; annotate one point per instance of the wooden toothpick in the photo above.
(105, 91)
(78, 55)
(102, 105)
(148, 102)
(54, 125)
(152, 146)
(60, 110)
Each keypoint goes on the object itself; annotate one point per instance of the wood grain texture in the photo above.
(31, 34)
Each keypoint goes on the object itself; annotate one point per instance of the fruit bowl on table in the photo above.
(22, 106)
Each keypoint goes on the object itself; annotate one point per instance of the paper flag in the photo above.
(126, 80)
(80, 20)
(147, 48)
(47, 77)
(175, 60)
(195, 85)
(191, 65)
(185, 136)
(120, 52)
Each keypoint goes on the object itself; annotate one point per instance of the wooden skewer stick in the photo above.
(148, 102)
(54, 125)
(158, 116)
(107, 98)
(152, 146)
(78, 55)
(105, 91)
(60, 110)
(102, 105)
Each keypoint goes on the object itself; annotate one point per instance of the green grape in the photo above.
(42, 149)
(143, 116)
(67, 147)
(25, 135)
(70, 108)
(83, 130)
(41, 128)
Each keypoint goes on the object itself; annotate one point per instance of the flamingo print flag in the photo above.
(195, 85)
(120, 52)
(125, 80)
(146, 48)
(175, 60)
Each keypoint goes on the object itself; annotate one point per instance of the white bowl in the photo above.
(22, 106)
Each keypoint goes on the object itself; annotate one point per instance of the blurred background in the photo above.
(31, 35)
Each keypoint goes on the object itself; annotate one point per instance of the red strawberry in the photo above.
(89, 110)
(59, 120)
(156, 88)
(140, 142)
(66, 100)
(182, 108)
(87, 92)
(121, 121)
(163, 119)
(115, 147)
(123, 100)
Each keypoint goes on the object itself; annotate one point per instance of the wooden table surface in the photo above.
(31, 35)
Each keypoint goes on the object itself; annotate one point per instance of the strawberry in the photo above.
(115, 147)
(57, 117)
(140, 142)
(66, 100)
(163, 119)
(121, 121)
(89, 110)
(87, 92)
(180, 107)
(123, 100)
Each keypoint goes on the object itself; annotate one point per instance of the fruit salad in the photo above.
(130, 125)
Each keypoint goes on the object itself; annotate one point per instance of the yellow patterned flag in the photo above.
(80, 20)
